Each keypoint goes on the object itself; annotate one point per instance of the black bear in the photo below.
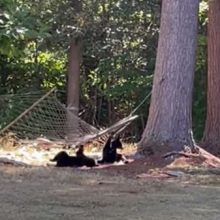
(109, 153)
(86, 161)
(64, 160)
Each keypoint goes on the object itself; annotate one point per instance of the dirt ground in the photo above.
(140, 190)
(68, 193)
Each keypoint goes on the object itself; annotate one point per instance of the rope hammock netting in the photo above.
(33, 115)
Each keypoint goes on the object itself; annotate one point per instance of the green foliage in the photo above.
(119, 50)
(199, 101)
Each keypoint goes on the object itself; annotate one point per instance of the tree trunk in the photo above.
(211, 137)
(73, 90)
(169, 125)
(73, 82)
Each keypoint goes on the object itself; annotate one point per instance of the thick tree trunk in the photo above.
(73, 89)
(211, 137)
(73, 82)
(169, 125)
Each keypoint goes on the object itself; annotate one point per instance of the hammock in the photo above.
(36, 115)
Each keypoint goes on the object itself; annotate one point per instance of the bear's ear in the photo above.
(117, 138)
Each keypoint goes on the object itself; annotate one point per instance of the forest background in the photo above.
(119, 41)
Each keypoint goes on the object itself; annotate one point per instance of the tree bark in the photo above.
(73, 90)
(211, 137)
(73, 82)
(169, 125)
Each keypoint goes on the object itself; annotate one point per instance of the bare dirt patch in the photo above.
(66, 193)
(144, 189)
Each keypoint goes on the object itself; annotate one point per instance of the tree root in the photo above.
(199, 155)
